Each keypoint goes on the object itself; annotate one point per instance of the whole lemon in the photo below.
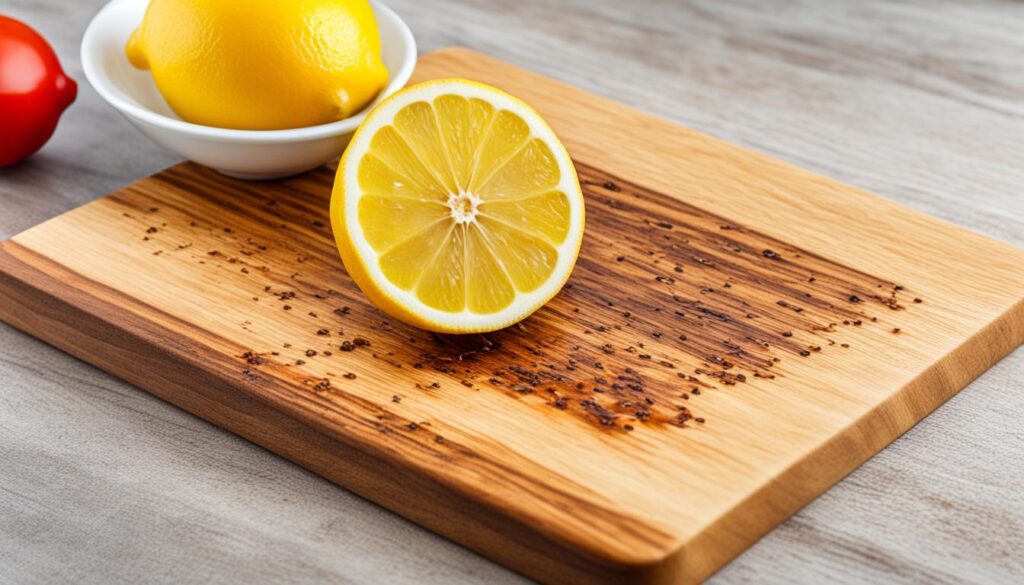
(261, 64)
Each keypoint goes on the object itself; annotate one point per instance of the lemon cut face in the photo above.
(456, 208)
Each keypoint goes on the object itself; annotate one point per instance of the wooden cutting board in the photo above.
(737, 336)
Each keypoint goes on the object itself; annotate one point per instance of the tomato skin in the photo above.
(34, 91)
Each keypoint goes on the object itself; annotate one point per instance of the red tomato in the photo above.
(33, 91)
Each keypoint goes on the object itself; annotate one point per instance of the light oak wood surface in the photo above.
(738, 335)
(849, 549)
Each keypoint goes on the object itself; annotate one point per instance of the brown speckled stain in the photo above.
(666, 303)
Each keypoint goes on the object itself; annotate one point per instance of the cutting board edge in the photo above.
(859, 441)
(360, 472)
(29, 303)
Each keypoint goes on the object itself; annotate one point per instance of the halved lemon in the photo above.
(456, 208)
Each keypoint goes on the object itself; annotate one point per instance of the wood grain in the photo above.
(800, 318)
(927, 120)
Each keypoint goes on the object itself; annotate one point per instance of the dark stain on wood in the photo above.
(666, 299)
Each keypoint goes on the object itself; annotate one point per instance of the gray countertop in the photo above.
(920, 102)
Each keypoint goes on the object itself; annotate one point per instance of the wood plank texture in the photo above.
(739, 334)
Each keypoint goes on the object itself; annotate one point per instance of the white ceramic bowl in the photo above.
(246, 154)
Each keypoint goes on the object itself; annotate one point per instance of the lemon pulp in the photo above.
(468, 206)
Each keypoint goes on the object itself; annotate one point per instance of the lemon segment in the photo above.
(490, 289)
(394, 152)
(456, 208)
(507, 134)
(388, 221)
(463, 123)
(545, 215)
(442, 283)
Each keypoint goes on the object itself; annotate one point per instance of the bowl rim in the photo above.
(90, 55)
